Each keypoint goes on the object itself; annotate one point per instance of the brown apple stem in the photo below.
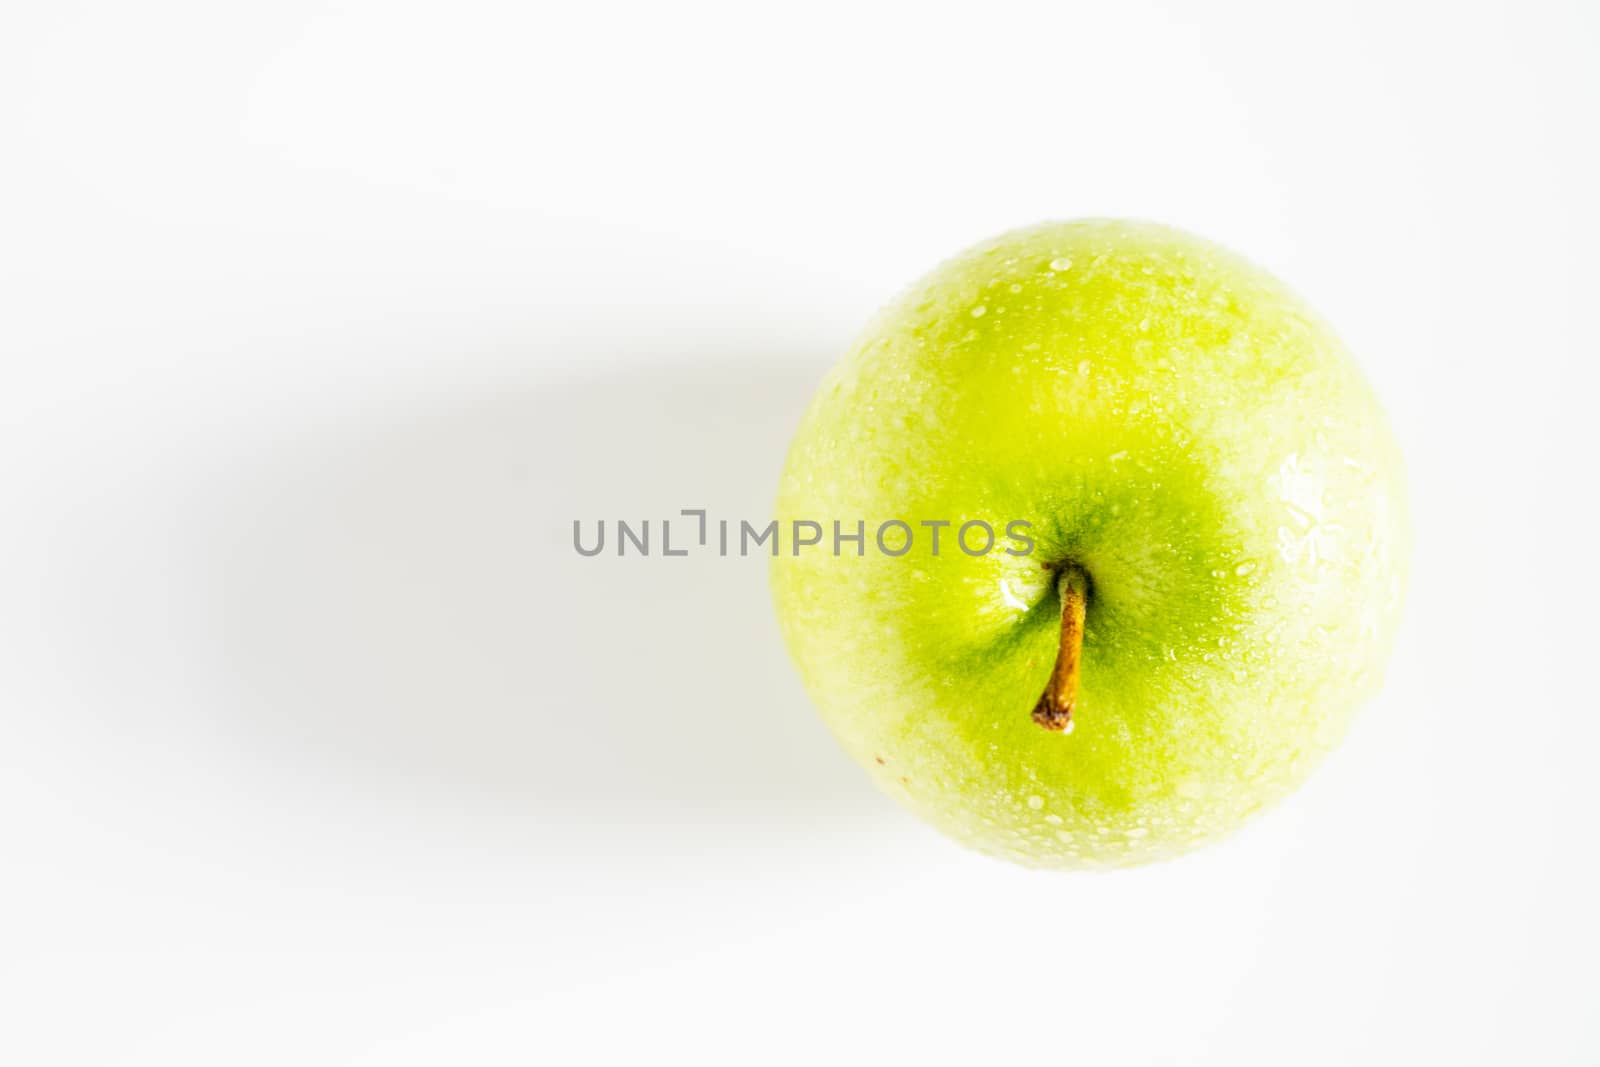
(1054, 710)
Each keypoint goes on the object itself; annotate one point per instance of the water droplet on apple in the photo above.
(1244, 568)
(1060, 264)
(979, 311)
(1036, 802)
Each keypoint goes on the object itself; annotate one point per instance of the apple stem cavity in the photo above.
(1054, 709)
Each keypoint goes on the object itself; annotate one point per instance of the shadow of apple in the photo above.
(402, 601)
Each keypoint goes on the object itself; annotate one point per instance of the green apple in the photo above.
(1207, 573)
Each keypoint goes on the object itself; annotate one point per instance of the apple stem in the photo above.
(1054, 710)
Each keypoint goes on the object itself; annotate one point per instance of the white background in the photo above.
(321, 322)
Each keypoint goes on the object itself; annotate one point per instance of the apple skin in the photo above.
(1177, 423)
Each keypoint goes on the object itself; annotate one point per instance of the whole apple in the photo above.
(1197, 554)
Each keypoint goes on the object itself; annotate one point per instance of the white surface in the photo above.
(319, 323)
